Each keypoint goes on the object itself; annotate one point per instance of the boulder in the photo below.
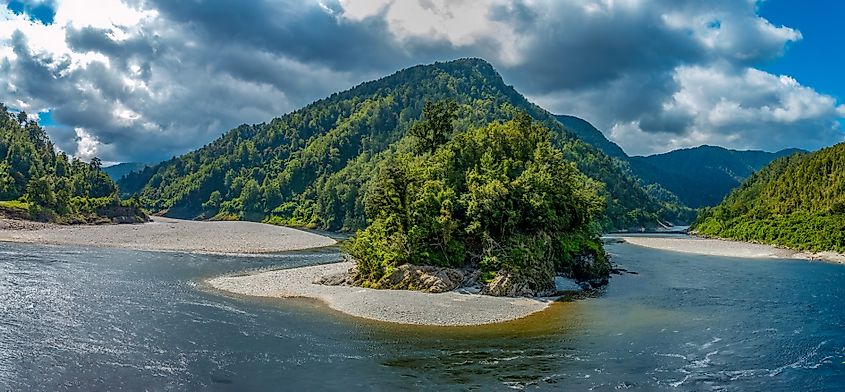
(506, 284)
(340, 279)
(423, 278)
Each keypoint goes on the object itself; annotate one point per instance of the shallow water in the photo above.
(97, 319)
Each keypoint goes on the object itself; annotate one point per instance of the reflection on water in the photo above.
(73, 318)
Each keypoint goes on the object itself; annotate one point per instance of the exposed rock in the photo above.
(470, 289)
(339, 279)
(590, 269)
(127, 219)
(471, 277)
(539, 280)
(423, 278)
(405, 277)
(566, 284)
(506, 284)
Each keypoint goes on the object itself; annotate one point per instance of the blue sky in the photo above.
(144, 81)
(42, 12)
(819, 58)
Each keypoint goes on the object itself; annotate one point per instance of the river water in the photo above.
(104, 319)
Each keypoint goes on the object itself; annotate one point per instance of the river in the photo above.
(106, 319)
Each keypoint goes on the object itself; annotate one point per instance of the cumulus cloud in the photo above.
(148, 79)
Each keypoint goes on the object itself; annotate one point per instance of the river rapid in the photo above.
(107, 319)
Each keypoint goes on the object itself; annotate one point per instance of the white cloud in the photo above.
(461, 23)
(102, 14)
(87, 145)
(745, 108)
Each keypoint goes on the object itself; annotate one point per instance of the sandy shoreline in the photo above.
(395, 306)
(165, 234)
(716, 247)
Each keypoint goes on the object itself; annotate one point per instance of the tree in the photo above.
(436, 126)
(22, 117)
(213, 203)
(251, 196)
(96, 164)
(40, 191)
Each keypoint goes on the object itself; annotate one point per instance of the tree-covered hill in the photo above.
(311, 167)
(796, 201)
(704, 175)
(36, 182)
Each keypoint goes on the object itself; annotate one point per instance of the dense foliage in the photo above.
(702, 176)
(38, 183)
(796, 202)
(312, 167)
(501, 198)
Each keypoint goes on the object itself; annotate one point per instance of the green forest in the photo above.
(38, 183)
(500, 198)
(796, 202)
(313, 167)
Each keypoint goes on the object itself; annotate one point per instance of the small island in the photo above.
(495, 209)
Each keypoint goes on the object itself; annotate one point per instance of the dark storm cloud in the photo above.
(302, 31)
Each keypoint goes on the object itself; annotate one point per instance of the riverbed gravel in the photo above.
(166, 234)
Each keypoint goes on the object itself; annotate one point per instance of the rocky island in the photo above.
(495, 210)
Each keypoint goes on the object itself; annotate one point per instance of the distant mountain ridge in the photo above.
(702, 176)
(699, 176)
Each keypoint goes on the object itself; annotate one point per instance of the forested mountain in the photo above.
(38, 183)
(122, 169)
(704, 175)
(311, 167)
(796, 201)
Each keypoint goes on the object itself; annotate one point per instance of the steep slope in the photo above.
(311, 167)
(590, 135)
(704, 175)
(38, 183)
(797, 202)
